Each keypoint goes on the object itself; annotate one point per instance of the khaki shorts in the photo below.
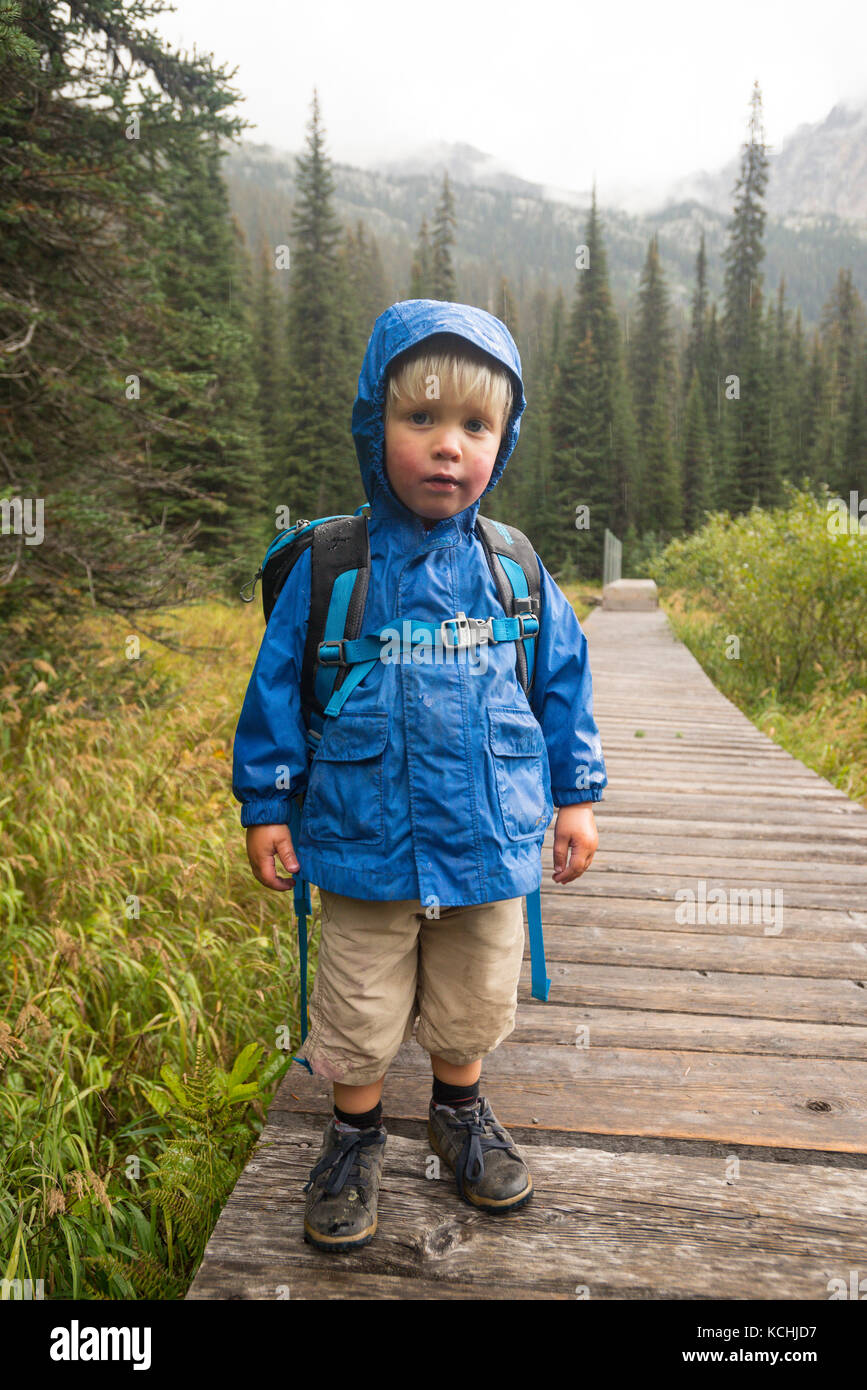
(384, 964)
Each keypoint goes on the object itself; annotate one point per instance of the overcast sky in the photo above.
(633, 94)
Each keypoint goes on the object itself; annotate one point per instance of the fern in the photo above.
(144, 1274)
(199, 1168)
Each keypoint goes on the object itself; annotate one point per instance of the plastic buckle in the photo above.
(470, 631)
(522, 619)
(335, 642)
(462, 634)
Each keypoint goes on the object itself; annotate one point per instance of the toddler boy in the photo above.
(428, 797)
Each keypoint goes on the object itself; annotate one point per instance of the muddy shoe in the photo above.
(489, 1170)
(343, 1188)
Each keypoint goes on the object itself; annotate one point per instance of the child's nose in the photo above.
(447, 440)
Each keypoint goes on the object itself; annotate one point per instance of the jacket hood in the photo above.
(400, 327)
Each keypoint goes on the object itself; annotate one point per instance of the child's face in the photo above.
(440, 437)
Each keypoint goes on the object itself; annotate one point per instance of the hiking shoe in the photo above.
(490, 1172)
(343, 1188)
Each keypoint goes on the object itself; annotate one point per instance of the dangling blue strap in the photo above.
(338, 699)
(301, 894)
(540, 982)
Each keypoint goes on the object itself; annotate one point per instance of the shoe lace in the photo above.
(470, 1163)
(346, 1159)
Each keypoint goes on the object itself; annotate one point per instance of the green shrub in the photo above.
(792, 592)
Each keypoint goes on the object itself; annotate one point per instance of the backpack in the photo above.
(337, 657)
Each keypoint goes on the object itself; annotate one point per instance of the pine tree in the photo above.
(815, 393)
(524, 493)
(843, 329)
(506, 309)
(654, 392)
(854, 475)
(443, 282)
(204, 280)
(796, 397)
(651, 345)
(752, 474)
(713, 383)
(421, 274)
(321, 472)
(581, 462)
(780, 445)
(695, 463)
(543, 505)
(122, 316)
(270, 339)
(745, 251)
(695, 354)
(365, 278)
(627, 492)
(592, 437)
(752, 462)
(661, 470)
(843, 337)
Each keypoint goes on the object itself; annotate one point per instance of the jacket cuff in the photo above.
(275, 812)
(571, 797)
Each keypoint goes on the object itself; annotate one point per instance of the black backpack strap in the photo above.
(499, 539)
(338, 545)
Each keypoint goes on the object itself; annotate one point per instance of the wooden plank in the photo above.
(708, 992)
(837, 835)
(631, 814)
(692, 950)
(628, 840)
(731, 807)
(601, 1225)
(596, 882)
(554, 1025)
(685, 784)
(286, 1278)
(736, 1098)
(749, 865)
(726, 765)
(560, 906)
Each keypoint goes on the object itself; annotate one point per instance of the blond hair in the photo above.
(462, 371)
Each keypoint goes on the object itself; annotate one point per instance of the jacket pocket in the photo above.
(344, 788)
(521, 768)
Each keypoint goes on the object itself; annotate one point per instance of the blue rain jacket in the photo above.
(434, 782)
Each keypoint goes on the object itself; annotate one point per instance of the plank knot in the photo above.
(442, 1239)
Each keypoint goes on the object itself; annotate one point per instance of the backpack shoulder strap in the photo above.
(339, 575)
(513, 564)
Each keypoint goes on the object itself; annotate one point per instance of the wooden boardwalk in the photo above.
(692, 1100)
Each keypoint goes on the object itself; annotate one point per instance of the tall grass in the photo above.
(147, 975)
(774, 606)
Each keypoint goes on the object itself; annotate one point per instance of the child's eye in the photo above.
(423, 413)
(481, 423)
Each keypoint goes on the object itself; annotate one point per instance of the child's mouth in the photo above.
(444, 484)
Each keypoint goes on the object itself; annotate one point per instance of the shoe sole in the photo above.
(338, 1243)
(496, 1206)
